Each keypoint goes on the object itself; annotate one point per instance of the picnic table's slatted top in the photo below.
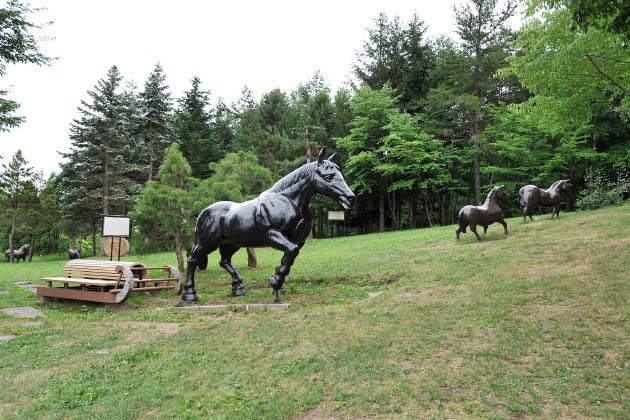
(89, 282)
(105, 270)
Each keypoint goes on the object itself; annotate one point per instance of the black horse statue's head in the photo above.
(328, 181)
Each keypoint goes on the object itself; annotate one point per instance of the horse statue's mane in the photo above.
(300, 173)
(491, 193)
(290, 179)
(555, 184)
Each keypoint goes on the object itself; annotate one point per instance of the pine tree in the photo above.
(97, 176)
(154, 129)
(193, 130)
(485, 44)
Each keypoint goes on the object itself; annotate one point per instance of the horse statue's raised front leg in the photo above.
(291, 251)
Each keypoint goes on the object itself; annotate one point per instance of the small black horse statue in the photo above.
(18, 254)
(484, 215)
(533, 197)
(279, 217)
(74, 254)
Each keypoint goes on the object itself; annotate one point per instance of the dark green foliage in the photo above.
(397, 56)
(193, 131)
(100, 174)
(154, 129)
(18, 45)
(238, 177)
(610, 15)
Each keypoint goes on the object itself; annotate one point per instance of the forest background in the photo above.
(427, 126)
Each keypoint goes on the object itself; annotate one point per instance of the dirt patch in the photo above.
(316, 413)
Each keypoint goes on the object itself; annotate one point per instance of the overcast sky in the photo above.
(228, 44)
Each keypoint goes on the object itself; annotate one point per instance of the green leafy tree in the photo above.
(416, 165)
(238, 177)
(19, 196)
(164, 213)
(18, 45)
(364, 146)
(580, 86)
(483, 29)
(610, 15)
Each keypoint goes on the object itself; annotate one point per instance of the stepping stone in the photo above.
(3, 292)
(23, 312)
(28, 285)
(7, 337)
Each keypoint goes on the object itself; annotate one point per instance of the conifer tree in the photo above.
(193, 130)
(97, 176)
(483, 28)
(154, 129)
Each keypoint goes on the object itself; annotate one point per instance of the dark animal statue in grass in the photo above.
(279, 218)
(484, 215)
(18, 254)
(533, 197)
(73, 254)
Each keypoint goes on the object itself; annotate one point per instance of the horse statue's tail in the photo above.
(461, 219)
(202, 262)
(521, 191)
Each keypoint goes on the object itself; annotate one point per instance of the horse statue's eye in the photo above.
(328, 177)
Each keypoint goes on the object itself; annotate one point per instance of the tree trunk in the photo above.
(381, 207)
(251, 258)
(31, 248)
(179, 250)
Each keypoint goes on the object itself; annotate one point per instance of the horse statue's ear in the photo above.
(332, 157)
(320, 158)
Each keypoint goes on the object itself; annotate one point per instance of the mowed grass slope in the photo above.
(409, 324)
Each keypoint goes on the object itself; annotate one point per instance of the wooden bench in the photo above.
(107, 281)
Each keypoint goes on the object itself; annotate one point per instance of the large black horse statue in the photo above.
(18, 254)
(533, 197)
(279, 217)
(484, 215)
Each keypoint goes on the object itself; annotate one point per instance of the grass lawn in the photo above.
(409, 324)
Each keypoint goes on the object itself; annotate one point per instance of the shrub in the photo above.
(603, 192)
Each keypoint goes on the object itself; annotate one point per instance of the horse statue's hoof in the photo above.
(190, 296)
(238, 290)
(276, 282)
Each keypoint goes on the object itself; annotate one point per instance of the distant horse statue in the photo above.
(18, 254)
(532, 197)
(484, 215)
(279, 217)
(74, 254)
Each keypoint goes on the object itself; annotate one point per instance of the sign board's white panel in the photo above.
(335, 215)
(116, 226)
